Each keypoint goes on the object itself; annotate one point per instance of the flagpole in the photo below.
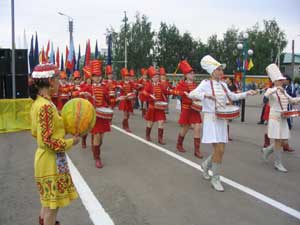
(13, 71)
(125, 42)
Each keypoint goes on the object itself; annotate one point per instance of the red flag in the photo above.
(87, 54)
(43, 58)
(67, 54)
(246, 64)
(57, 58)
(47, 50)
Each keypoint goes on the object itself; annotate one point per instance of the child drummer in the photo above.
(188, 115)
(214, 93)
(155, 92)
(100, 96)
(278, 129)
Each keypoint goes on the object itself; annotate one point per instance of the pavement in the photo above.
(144, 184)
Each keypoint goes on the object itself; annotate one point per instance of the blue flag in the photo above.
(62, 62)
(31, 56)
(78, 59)
(36, 51)
(109, 58)
(96, 51)
(52, 57)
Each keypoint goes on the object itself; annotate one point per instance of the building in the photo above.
(286, 66)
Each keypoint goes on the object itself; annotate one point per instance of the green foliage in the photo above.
(167, 46)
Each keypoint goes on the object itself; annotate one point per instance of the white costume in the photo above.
(278, 100)
(214, 129)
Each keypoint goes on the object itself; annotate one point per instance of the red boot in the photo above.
(41, 221)
(83, 141)
(148, 131)
(92, 141)
(197, 152)
(287, 148)
(179, 145)
(126, 125)
(96, 153)
(267, 141)
(160, 136)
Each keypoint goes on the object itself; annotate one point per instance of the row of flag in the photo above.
(72, 62)
(248, 64)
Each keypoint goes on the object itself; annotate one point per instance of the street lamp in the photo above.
(70, 19)
(245, 52)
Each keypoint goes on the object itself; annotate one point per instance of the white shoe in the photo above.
(216, 183)
(278, 166)
(205, 171)
(266, 152)
(205, 166)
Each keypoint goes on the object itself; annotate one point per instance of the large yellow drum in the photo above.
(79, 116)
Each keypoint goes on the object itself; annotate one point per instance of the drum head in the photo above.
(104, 110)
(161, 103)
(228, 109)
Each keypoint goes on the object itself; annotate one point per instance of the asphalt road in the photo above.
(140, 185)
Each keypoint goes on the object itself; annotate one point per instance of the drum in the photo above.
(130, 96)
(161, 105)
(229, 112)
(104, 113)
(197, 106)
(291, 113)
(112, 93)
(64, 96)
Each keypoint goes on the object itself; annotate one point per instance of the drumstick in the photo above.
(176, 69)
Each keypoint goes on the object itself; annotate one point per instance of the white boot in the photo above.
(215, 180)
(206, 165)
(277, 163)
(266, 152)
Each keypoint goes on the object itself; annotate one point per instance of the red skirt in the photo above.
(101, 126)
(266, 112)
(155, 115)
(189, 116)
(126, 106)
(142, 97)
(61, 102)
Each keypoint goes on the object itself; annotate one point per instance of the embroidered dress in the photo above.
(51, 170)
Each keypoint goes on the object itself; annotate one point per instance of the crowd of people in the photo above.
(212, 103)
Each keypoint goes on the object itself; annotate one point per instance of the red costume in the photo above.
(63, 91)
(188, 115)
(111, 86)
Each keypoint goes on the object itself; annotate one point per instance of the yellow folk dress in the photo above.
(51, 170)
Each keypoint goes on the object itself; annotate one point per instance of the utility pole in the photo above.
(293, 57)
(13, 62)
(125, 41)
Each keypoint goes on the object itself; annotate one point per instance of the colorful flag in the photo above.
(250, 65)
(36, 51)
(47, 51)
(87, 54)
(52, 57)
(109, 58)
(78, 59)
(62, 63)
(71, 55)
(246, 65)
(67, 56)
(96, 50)
(31, 56)
(57, 57)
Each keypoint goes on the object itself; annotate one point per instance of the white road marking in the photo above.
(232, 183)
(89, 200)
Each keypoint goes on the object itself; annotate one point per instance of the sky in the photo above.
(201, 18)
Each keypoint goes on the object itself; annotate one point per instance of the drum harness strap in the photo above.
(225, 90)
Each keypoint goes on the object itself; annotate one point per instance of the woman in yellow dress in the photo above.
(51, 170)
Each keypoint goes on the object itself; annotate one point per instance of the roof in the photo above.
(288, 58)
